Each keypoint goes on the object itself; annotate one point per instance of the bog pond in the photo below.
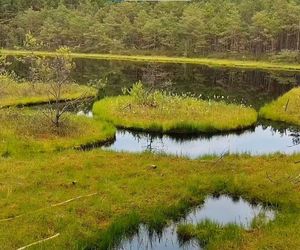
(253, 88)
(258, 141)
(242, 86)
(222, 210)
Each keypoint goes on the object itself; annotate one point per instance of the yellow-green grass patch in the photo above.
(175, 115)
(14, 93)
(26, 131)
(126, 186)
(286, 108)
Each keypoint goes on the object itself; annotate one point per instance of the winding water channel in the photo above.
(249, 87)
(257, 141)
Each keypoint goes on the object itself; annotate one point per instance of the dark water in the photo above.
(250, 87)
(264, 139)
(222, 210)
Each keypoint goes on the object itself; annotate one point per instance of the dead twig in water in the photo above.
(38, 242)
(53, 205)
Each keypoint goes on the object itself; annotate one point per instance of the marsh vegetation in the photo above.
(112, 194)
(285, 108)
(25, 93)
(158, 111)
(216, 88)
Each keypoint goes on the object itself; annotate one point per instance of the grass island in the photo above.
(166, 113)
(31, 131)
(13, 93)
(285, 108)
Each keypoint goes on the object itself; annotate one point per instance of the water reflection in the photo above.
(250, 87)
(263, 139)
(222, 210)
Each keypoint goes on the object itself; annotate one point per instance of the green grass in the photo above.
(29, 132)
(213, 62)
(160, 112)
(36, 176)
(13, 93)
(286, 108)
(129, 192)
(211, 235)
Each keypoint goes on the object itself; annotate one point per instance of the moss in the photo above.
(120, 229)
(213, 62)
(175, 115)
(286, 108)
(26, 131)
(126, 186)
(13, 93)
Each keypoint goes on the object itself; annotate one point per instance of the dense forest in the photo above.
(245, 28)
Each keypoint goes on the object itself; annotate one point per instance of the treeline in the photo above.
(196, 28)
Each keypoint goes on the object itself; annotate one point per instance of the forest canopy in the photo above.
(196, 28)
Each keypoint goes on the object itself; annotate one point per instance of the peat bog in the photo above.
(154, 192)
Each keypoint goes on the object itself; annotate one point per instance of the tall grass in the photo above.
(162, 112)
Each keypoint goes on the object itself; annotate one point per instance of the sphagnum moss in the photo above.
(126, 187)
(28, 131)
(161, 112)
(286, 108)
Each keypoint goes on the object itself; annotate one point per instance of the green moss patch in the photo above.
(126, 187)
(27, 130)
(286, 108)
(161, 112)
(14, 93)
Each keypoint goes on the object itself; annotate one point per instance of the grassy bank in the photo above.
(213, 62)
(14, 93)
(26, 132)
(160, 112)
(211, 235)
(92, 198)
(286, 108)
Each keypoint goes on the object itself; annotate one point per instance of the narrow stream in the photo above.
(222, 210)
(263, 139)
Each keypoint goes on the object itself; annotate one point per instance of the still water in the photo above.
(257, 141)
(250, 87)
(222, 210)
